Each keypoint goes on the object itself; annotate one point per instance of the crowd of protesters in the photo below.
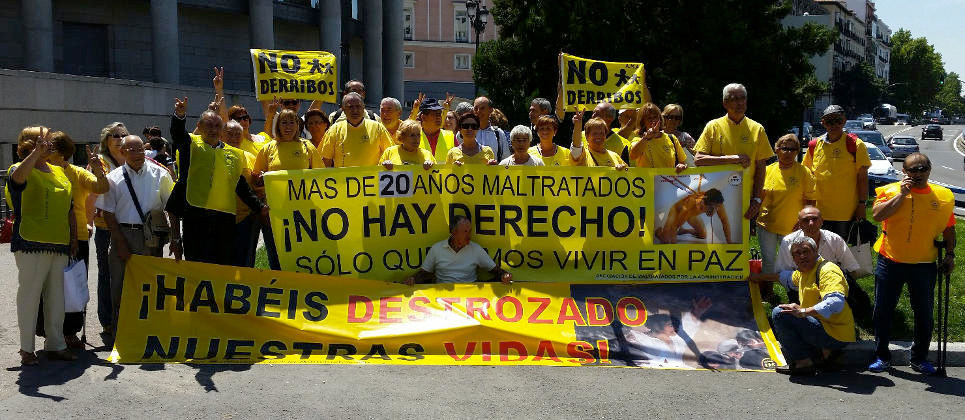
(202, 194)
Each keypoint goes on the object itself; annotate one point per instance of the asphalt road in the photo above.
(93, 388)
(947, 164)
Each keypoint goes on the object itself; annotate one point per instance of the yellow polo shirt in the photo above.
(659, 152)
(480, 158)
(722, 136)
(591, 158)
(82, 183)
(908, 235)
(399, 156)
(561, 158)
(286, 155)
(836, 174)
(839, 326)
(785, 191)
(355, 146)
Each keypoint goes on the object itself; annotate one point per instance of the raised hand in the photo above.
(274, 105)
(180, 107)
(448, 102)
(218, 80)
(217, 104)
(96, 166)
(419, 100)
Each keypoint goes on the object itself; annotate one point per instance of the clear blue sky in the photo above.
(942, 22)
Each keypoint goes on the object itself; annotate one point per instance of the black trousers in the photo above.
(208, 236)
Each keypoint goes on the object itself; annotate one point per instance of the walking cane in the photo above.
(943, 297)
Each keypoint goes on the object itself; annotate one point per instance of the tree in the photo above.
(916, 73)
(690, 50)
(949, 97)
(858, 89)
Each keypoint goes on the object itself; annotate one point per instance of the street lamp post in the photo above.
(478, 18)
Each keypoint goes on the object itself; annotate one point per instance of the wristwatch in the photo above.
(758, 200)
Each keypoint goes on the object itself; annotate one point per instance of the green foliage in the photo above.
(916, 73)
(949, 96)
(858, 89)
(690, 50)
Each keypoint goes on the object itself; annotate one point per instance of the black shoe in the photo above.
(796, 371)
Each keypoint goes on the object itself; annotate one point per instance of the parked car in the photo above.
(851, 125)
(902, 146)
(868, 123)
(959, 119)
(808, 132)
(933, 131)
(875, 138)
(882, 170)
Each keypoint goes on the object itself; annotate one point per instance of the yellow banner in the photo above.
(546, 224)
(307, 75)
(204, 313)
(587, 82)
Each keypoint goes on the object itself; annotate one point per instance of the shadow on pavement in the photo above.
(51, 372)
(850, 382)
(946, 386)
(206, 372)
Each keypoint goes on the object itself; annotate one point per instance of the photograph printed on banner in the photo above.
(686, 326)
(698, 208)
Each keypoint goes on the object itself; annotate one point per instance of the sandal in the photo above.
(28, 358)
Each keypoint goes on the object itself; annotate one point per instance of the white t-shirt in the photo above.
(533, 161)
(450, 266)
(832, 248)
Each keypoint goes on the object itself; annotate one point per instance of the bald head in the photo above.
(210, 126)
(809, 220)
(353, 107)
(606, 111)
(483, 109)
(133, 149)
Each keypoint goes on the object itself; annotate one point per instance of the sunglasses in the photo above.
(788, 149)
(672, 117)
(117, 136)
(833, 121)
(243, 118)
(918, 169)
(469, 126)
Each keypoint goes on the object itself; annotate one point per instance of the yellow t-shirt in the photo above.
(836, 174)
(840, 326)
(82, 183)
(561, 158)
(785, 191)
(907, 236)
(250, 146)
(616, 143)
(247, 171)
(722, 136)
(44, 205)
(480, 158)
(399, 156)
(658, 152)
(591, 158)
(350, 146)
(286, 155)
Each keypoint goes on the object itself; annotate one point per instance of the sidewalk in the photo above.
(861, 354)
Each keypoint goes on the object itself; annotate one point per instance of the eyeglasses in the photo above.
(918, 169)
(469, 126)
(243, 118)
(673, 117)
(788, 149)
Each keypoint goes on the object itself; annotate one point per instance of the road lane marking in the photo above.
(950, 169)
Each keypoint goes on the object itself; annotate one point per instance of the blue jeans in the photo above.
(102, 243)
(890, 277)
(246, 241)
(269, 238)
(802, 338)
(769, 242)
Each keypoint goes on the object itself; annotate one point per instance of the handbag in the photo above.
(155, 225)
(76, 294)
(862, 248)
(6, 230)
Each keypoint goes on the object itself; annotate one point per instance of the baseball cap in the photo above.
(430, 104)
(832, 109)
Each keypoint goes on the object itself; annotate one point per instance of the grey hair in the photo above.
(231, 125)
(209, 113)
(462, 108)
(733, 88)
(352, 95)
(803, 240)
(456, 220)
(611, 111)
(543, 104)
(395, 103)
(521, 130)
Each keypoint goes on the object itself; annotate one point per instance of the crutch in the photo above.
(942, 300)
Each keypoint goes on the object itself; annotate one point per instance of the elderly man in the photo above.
(489, 135)
(137, 189)
(736, 139)
(812, 332)
(840, 164)
(354, 140)
(204, 198)
(912, 212)
(353, 86)
(456, 259)
(434, 138)
(390, 110)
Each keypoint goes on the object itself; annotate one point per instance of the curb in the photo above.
(862, 353)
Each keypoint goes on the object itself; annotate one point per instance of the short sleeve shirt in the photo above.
(836, 174)
(399, 156)
(287, 155)
(561, 158)
(350, 146)
(785, 191)
(533, 161)
(482, 157)
(723, 136)
(452, 266)
(658, 152)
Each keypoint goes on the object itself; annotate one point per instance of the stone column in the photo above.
(261, 24)
(393, 74)
(330, 32)
(164, 47)
(372, 71)
(38, 39)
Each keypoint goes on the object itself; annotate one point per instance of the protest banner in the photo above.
(586, 81)
(205, 313)
(542, 224)
(309, 75)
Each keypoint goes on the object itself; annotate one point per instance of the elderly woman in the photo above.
(812, 332)
(673, 116)
(288, 152)
(249, 142)
(470, 151)
(596, 133)
(247, 224)
(519, 139)
(111, 157)
(652, 147)
(43, 239)
(788, 187)
(551, 153)
(316, 123)
(407, 152)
